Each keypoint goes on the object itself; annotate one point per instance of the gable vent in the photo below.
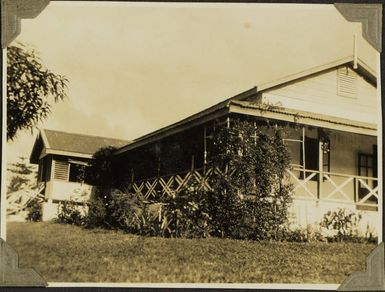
(346, 82)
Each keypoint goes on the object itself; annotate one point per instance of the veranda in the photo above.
(331, 167)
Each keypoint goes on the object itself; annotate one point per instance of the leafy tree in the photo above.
(100, 174)
(21, 175)
(29, 88)
(250, 196)
(100, 171)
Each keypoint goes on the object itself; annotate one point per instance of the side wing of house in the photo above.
(63, 160)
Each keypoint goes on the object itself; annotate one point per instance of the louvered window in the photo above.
(346, 82)
(61, 170)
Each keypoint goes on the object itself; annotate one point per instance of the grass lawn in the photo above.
(64, 253)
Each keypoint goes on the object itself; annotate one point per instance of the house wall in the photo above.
(319, 93)
(309, 212)
(62, 190)
(51, 209)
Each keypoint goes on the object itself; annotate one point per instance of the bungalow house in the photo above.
(63, 159)
(331, 114)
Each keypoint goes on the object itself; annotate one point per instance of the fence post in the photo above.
(320, 167)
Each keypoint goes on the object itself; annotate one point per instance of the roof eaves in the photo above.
(200, 115)
(68, 153)
(306, 115)
(44, 138)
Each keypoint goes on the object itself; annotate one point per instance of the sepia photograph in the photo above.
(190, 143)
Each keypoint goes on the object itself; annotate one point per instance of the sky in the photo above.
(136, 67)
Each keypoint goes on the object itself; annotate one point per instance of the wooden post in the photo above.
(355, 52)
(204, 150)
(255, 133)
(228, 127)
(303, 152)
(192, 163)
(132, 175)
(355, 190)
(320, 168)
(158, 166)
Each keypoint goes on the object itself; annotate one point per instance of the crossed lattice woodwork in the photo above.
(19, 200)
(171, 185)
(338, 191)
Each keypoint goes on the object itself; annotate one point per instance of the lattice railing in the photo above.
(171, 185)
(332, 186)
(19, 200)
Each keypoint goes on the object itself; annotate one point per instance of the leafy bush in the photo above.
(34, 210)
(250, 197)
(187, 214)
(125, 211)
(71, 213)
(309, 233)
(343, 222)
(96, 215)
(100, 174)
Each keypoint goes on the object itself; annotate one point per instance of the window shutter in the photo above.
(346, 82)
(61, 170)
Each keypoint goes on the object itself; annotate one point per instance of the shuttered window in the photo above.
(346, 82)
(61, 170)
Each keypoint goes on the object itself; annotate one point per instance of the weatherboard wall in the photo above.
(330, 94)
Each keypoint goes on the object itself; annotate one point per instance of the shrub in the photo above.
(71, 213)
(100, 174)
(343, 222)
(250, 197)
(125, 210)
(34, 210)
(96, 215)
(187, 214)
(309, 233)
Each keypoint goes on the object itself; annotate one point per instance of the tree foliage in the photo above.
(21, 175)
(250, 196)
(100, 174)
(29, 88)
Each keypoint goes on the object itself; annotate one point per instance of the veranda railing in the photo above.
(334, 187)
(307, 184)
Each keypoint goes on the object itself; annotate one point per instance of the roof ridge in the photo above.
(314, 70)
(86, 135)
